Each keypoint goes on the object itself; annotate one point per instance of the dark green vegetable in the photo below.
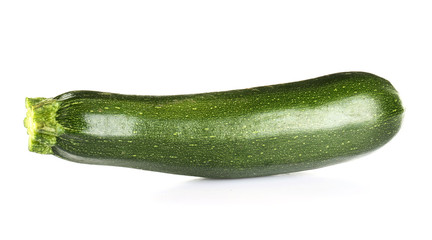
(234, 134)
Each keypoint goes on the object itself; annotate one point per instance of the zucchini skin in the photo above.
(233, 134)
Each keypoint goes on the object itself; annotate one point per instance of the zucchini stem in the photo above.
(41, 124)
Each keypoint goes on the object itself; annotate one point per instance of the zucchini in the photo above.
(232, 134)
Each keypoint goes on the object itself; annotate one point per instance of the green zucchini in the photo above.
(232, 134)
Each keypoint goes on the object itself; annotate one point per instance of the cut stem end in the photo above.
(41, 124)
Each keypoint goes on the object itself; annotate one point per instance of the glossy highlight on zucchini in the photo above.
(232, 134)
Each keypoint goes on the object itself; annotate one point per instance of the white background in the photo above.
(174, 47)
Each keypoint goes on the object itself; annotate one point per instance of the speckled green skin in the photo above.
(234, 134)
